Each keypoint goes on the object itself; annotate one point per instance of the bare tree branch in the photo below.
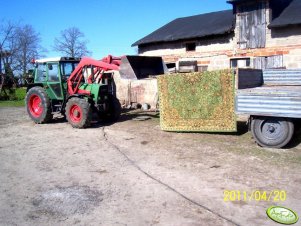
(28, 42)
(20, 43)
(71, 43)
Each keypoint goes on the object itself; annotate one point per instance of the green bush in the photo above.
(20, 93)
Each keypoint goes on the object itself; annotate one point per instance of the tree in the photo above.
(71, 43)
(28, 42)
(19, 44)
(7, 32)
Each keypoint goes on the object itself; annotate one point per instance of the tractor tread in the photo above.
(85, 107)
(46, 115)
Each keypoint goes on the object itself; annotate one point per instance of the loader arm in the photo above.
(75, 79)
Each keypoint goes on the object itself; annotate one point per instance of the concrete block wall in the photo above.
(163, 49)
(293, 59)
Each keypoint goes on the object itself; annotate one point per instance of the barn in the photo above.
(254, 34)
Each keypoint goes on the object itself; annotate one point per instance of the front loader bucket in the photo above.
(139, 67)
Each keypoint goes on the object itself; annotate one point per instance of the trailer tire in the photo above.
(38, 105)
(78, 112)
(271, 131)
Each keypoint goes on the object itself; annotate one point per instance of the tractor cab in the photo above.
(52, 74)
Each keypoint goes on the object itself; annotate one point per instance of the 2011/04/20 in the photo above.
(256, 195)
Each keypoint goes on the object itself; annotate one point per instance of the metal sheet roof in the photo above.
(198, 26)
(56, 59)
(290, 16)
(236, 1)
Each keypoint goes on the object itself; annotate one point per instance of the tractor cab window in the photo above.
(67, 68)
(53, 73)
(41, 73)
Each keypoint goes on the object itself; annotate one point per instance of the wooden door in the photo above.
(252, 25)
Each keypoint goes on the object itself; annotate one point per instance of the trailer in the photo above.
(272, 100)
(211, 101)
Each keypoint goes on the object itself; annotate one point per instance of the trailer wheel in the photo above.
(38, 105)
(272, 132)
(78, 112)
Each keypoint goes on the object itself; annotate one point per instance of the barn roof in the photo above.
(290, 16)
(198, 26)
(236, 1)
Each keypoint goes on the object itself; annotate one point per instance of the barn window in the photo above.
(191, 46)
(240, 63)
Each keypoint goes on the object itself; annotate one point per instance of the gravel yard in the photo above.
(132, 173)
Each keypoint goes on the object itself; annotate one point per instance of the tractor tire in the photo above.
(272, 132)
(38, 105)
(78, 113)
(114, 111)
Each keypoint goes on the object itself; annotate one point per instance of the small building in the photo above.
(255, 33)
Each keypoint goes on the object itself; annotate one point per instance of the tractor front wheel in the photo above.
(38, 105)
(78, 112)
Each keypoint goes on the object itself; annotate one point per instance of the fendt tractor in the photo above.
(78, 87)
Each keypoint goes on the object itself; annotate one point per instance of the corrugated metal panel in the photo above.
(285, 91)
(269, 106)
(282, 77)
(270, 101)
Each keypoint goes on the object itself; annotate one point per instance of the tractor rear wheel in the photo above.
(114, 109)
(38, 105)
(78, 112)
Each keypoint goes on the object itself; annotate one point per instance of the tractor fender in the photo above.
(79, 96)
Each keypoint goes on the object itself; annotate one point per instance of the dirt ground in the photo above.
(132, 173)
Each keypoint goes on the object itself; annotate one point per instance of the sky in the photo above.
(110, 26)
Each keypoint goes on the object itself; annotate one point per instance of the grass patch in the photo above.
(12, 103)
(13, 94)
(15, 98)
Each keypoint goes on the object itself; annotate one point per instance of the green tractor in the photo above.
(78, 87)
(61, 86)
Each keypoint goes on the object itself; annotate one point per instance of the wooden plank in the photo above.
(268, 62)
(274, 61)
(243, 34)
(252, 27)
